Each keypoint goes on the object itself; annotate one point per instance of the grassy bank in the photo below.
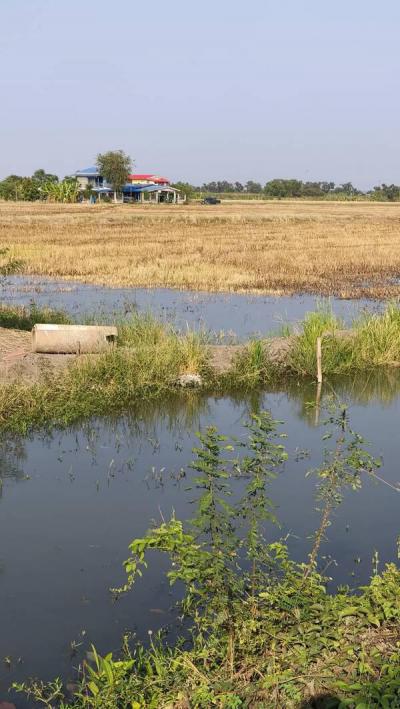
(146, 365)
(261, 630)
(347, 249)
(370, 342)
(25, 317)
(151, 357)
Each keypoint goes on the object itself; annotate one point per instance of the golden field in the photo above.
(350, 249)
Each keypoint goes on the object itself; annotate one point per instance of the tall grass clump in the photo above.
(377, 339)
(175, 352)
(337, 347)
(20, 317)
(251, 367)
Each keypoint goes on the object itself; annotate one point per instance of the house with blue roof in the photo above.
(139, 188)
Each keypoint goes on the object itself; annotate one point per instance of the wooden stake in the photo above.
(319, 360)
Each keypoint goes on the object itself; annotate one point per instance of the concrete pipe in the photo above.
(73, 339)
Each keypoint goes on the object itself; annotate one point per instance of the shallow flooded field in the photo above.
(228, 316)
(71, 502)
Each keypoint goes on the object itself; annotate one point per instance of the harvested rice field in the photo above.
(347, 249)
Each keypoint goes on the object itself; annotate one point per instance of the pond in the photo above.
(227, 315)
(72, 501)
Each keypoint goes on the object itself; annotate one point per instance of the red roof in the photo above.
(153, 178)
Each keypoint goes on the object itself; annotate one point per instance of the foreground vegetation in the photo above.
(151, 357)
(260, 630)
(347, 249)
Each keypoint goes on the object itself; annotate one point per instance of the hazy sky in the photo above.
(203, 90)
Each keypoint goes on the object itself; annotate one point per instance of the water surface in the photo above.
(230, 315)
(71, 503)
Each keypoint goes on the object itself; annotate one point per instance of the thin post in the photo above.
(319, 360)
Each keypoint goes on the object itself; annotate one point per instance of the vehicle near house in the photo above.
(210, 200)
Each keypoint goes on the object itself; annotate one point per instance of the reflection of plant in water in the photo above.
(342, 468)
(264, 632)
(11, 454)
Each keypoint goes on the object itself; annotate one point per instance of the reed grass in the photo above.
(346, 249)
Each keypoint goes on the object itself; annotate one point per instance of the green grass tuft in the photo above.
(25, 317)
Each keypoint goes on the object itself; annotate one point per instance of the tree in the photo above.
(283, 188)
(41, 176)
(114, 166)
(386, 193)
(186, 188)
(347, 189)
(17, 188)
(253, 187)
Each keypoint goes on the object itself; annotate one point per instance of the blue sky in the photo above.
(201, 91)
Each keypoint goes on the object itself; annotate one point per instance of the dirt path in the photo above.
(18, 362)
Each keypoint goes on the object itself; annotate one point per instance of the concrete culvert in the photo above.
(73, 339)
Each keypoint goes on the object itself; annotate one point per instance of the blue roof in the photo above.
(129, 189)
(88, 171)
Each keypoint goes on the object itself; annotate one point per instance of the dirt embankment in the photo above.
(19, 363)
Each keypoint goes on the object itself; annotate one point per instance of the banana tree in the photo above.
(66, 191)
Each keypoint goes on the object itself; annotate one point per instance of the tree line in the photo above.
(47, 186)
(113, 165)
(292, 188)
(41, 185)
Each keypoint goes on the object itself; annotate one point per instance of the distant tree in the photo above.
(9, 187)
(209, 187)
(386, 193)
(15, 187)
(253, 187)
(239, 187)
(114, 166)
(186, 188)
(347, 189)
(283, 188)
(29, 189)
(327, 187)
(225, 186)
(41, 176)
